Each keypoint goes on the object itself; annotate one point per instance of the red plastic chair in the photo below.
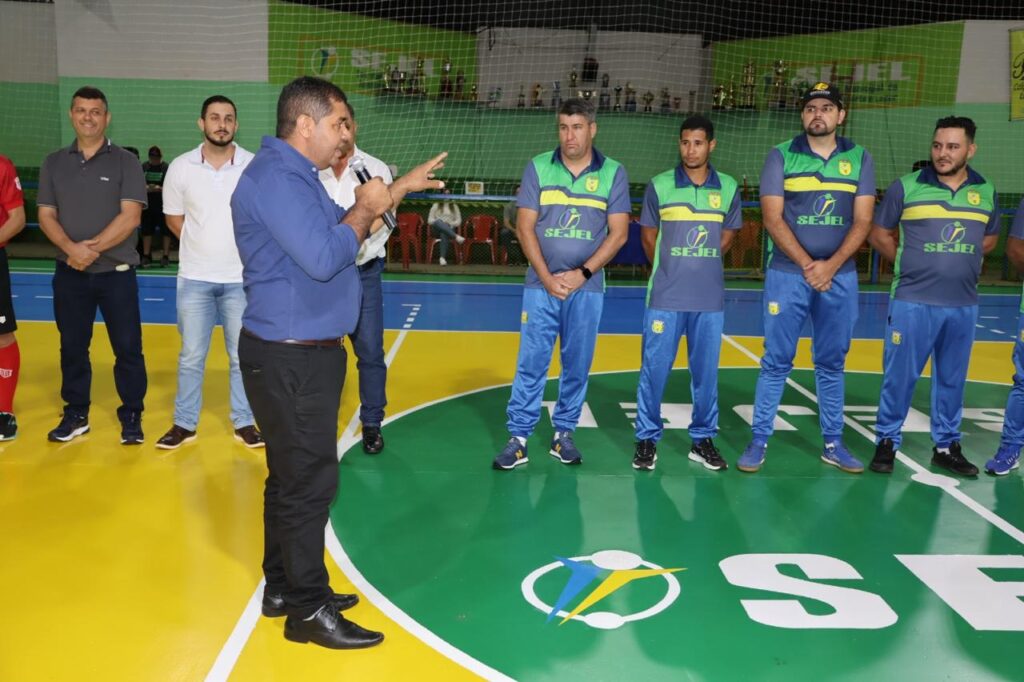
(480, 229)
(410, 236)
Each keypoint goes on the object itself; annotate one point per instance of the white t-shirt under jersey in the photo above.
(343, 191)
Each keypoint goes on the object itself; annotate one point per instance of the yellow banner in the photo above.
(1017, 74)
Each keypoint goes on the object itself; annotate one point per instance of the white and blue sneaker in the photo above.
(753, 456)
(564, 450)
(836, 454)
(1006, 460)
(511, 456)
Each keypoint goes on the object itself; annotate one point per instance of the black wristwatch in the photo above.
(587, 274)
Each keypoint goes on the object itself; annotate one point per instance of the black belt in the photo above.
(317, 343)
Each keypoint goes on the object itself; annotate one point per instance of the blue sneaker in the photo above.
(564, 450)
(836, 454)
(511, 456)
(752, 457)
(1006, 460)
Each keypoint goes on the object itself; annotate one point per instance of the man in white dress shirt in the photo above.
(197, 194)
(368, 339)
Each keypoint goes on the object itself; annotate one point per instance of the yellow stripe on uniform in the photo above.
(557, 196)
(936, 211)
(686, 213)
(812, 184)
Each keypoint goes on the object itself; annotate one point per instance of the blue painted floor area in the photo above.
(468, 306)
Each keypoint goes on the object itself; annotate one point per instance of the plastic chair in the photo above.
(480, 229)
(410, 236)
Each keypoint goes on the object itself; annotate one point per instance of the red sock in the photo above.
(10, 363)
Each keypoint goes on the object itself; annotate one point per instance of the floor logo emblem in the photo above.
(612, 569)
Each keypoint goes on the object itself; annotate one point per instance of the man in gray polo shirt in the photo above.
(91, 197)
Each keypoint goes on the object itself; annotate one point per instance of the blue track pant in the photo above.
(574, 322)
(662, 331)
(915, 332)
(788, 302)
(1013, 421)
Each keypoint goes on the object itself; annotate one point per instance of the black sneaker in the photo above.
(71, 426)
(131, 428)
(373, 442)
(705, 452)
(953, 460)
(885, 454)
(146, 261)
(8, 426)
(164, 261)
(645, 455)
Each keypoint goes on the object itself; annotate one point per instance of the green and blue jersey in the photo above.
(687, 273)
(572, 211)
(941, 231)
(819, 195)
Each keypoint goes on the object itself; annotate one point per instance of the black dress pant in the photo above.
(295, 395)
(76, 296)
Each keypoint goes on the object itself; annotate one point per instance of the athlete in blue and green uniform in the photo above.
(948, 218)
(1007, 457)
(689, 217)
(573, 218)
(817, 197)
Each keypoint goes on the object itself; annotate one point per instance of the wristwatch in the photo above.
(587, 274)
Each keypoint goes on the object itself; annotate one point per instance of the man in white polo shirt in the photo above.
(197, 194)
(368, 339)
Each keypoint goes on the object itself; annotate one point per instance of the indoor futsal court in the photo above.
(142, 564)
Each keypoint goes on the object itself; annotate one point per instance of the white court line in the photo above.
(156, 300)
(400, 617)
(921, 475)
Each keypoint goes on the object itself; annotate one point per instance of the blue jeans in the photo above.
(199, 306)
(445, 233)
(368, 344)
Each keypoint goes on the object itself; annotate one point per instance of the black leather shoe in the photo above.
(373, 442)
(273, 604)
(953, 460)
(329, 629)
(885, 453)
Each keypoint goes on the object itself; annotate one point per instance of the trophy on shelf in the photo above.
(535, 101)
(648, 98)
(556, 94)
(587, 94)
(730, 95)
(421, 78)
(385, 80)
(604, 81)
(748, 85)
(630, 97)
(473, 93)
(445, 91)
(779, 83)
(403, 87)
(460, 85)
(521, 98)
(665, 107)
(718, 97)
(604, 100)
(573, 77)
(618, 98)
(691, 105)
(677, 103)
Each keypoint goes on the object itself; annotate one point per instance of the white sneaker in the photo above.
(459, 239)
(442, 261)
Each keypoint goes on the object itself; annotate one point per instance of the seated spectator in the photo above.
(507, 231)
(445, 217)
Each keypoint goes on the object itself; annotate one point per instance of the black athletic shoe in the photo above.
(645, 455)
(953, 460)
(8, 426)
(885, 454)
(373, 441)
(71, 426)
(131, 428)
(705, 452)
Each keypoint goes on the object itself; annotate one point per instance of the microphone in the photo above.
(359, 168)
